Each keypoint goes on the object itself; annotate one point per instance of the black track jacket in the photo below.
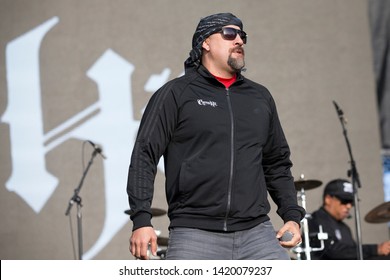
(223, 150)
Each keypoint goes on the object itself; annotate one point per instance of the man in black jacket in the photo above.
(338, 200)
(224, 151)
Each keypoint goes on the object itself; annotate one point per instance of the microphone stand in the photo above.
(353, 173)
(77, 199)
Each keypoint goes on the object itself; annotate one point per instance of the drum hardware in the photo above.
(306, 184)
(307, 249)
(162, 254)
(302, 185)
(162, 241)
(380, 214)
(321, 236)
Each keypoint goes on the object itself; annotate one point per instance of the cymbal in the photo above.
(307, 184)
(380, 214)
(155, 212)
(162, 241)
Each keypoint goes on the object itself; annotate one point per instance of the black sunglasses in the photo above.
(345, 201)
(230, 33)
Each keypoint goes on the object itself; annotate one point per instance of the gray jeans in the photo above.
(258, 243)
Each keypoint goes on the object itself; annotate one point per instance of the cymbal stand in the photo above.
(305, 226)
(321, 235)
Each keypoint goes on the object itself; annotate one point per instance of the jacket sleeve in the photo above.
(155, 131)
(277, 170)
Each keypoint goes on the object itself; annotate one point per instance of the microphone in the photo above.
(97, 149)
(340, 112)
(287, 236)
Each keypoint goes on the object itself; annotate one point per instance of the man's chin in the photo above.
(237, 66)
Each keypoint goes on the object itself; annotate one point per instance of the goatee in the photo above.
(236, 63)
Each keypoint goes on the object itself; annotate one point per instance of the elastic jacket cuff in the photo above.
(295, 216)
(141, 219)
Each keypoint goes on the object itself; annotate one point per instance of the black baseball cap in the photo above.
(340, 188)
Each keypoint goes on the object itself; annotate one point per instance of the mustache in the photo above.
(238, 49)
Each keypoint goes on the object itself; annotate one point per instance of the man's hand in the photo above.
(294, 229)
(140, 241)
(384, 248)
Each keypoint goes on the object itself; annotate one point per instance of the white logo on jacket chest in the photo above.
(207, 103)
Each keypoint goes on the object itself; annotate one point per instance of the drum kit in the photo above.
(380, 214)
(162, 242)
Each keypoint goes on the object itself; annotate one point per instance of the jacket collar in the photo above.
(205, 73)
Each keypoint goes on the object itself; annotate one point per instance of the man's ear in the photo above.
(327, 199)
(205, 44)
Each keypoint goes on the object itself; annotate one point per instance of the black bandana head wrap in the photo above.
(206, 27)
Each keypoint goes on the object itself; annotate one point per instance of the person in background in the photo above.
(224, 151)
(338, 200)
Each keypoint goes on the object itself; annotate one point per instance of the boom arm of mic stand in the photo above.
(75, 197)
(355, 181)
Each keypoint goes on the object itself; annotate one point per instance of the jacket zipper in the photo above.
(229, 198)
